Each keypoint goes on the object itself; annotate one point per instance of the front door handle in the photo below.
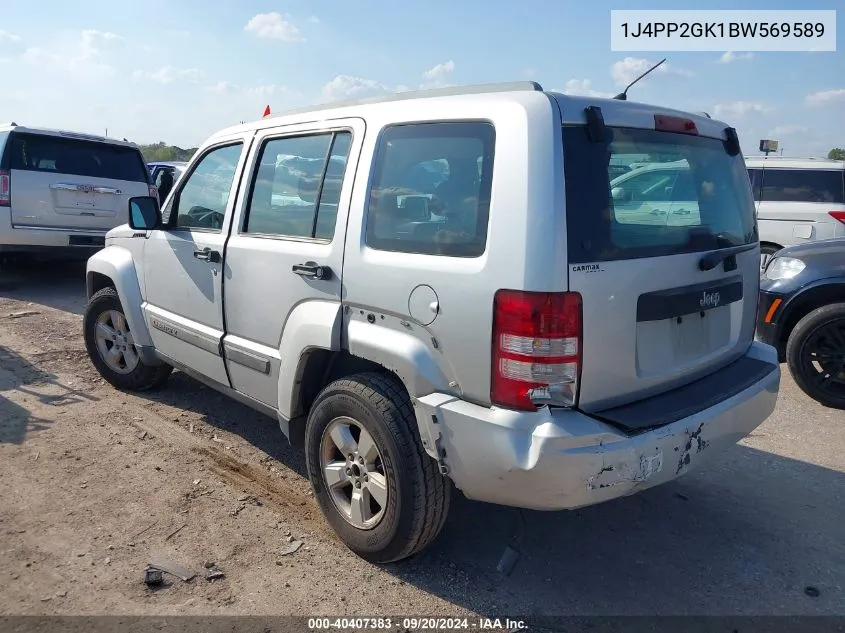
(208, 255)
(312, 270)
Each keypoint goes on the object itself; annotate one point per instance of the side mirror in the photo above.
(308, 188)
(144, 213)
(620, 195)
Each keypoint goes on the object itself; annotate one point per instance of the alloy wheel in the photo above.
(823, 357)
(353, 471)
(115, 343)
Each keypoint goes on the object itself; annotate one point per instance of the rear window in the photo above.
(651, 194)
(51, 154)
(804, 185)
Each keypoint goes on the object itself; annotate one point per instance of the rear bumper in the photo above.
(555, 460)
(36, 240)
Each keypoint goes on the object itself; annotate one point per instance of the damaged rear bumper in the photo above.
(555, 460)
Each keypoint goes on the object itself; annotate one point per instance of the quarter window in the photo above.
(202, 199)
(296, 188)
(430, 193)
(804, 185)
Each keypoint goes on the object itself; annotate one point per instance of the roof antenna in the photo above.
(623, 96)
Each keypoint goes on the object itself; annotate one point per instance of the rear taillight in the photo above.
(836, 215)
(5, 188)
(536, 349)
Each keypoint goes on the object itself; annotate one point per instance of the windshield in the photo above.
(653, 194)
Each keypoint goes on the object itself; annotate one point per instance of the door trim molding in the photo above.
(183, 332)
(246, 358)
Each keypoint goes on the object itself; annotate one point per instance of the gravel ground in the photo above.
(95, 482)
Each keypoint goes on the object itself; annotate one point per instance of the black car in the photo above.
(802, 313)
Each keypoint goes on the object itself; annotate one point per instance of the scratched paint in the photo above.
(693, 438)
(649, 465)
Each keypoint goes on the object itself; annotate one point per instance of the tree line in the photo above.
(837, 153)
(161, 151)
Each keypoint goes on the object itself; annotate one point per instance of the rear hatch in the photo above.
(663, 248)
(68, 182)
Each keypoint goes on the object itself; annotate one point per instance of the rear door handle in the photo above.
(312, 270)
(208, 255)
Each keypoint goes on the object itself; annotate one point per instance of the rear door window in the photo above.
(804, 185)
(651, 194)
(50, 154)
(296, 189)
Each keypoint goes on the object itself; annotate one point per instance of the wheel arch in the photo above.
(322, 359)
(114, 267)
(811, 298)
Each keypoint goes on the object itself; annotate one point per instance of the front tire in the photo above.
(379, 490)
(815, 354)
(111, 347)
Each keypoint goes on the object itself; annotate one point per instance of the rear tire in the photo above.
(815, 354)
(111, 348)
(404, 497)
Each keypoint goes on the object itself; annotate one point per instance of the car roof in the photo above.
(43, 131)
(781, 162)
(506, 91)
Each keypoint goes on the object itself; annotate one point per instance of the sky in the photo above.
(179, 70)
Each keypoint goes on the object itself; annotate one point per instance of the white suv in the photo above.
(60, 192)
(798, 200)
(437, 288)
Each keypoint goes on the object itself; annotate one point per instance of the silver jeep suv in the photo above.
(438, 288)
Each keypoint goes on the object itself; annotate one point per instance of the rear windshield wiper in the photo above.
(714, 258)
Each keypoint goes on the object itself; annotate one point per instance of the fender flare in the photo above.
(799, 297)
(415, 364)
(310, 325)
(401, 352)
(320, 325)
(116, 264)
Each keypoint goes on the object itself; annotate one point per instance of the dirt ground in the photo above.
(96, 482)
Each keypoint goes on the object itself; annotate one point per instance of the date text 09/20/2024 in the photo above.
(415, 624)
(723, 29)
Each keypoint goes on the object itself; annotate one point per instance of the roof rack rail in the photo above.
(510, 86)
